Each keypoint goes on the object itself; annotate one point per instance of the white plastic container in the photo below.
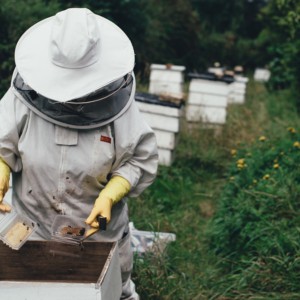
(15, 229)
(68, 229)
(148, 241)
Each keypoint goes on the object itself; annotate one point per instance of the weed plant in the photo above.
(255, 231)
(232, 199)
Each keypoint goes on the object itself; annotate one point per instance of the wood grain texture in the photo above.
(46, 261)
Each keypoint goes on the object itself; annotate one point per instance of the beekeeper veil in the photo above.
(75, 69)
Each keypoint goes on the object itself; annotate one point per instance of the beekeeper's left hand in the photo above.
(4, 184)
(114, 191)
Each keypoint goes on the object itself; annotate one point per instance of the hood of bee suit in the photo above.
(75, 69)
(91, 111)
(73, 54)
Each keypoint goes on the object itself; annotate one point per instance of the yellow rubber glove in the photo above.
(114, 191)
(4, 184)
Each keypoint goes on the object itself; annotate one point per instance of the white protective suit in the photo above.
(59, 170)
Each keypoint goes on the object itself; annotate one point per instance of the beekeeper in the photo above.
(70, 131)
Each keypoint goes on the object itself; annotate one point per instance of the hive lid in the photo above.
(211, 76)
(169, 67)
(156, 100)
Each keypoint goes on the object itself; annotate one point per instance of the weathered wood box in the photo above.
(164, 118)
(48, 270)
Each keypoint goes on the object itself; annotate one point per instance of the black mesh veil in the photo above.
(89, 111)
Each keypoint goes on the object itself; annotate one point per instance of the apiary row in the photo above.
(206, 102)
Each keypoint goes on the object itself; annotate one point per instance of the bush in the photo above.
(281, 32)
(15, 19)
(256, 230)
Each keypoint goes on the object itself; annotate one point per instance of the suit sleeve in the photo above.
(136, 151)
(13, 118)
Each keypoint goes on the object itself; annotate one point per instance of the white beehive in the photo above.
(166, 80)
(216, 69)
(164, 118)
(238, 90)
(207, 99)
(262, 75)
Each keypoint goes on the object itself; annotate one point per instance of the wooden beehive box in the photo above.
(207, 99)
(43, 270)
(262, 75)
(166, 80)
(164, 118)
(238, 90)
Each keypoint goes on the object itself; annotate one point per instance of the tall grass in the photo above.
(188, 197)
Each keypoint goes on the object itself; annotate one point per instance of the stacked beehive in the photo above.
(162, 107)
(208, 98)
(166, 80)
(238, 89)
(164, 118)
(262, 75)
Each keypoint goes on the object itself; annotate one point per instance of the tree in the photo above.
(282, 32)
(230, 30)
(16, 17)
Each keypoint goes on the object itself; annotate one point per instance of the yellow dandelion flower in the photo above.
(292, 129)
(297, 144)
(262, 138)
(266, 177)
(240, 161)
(240, 166)
(233, 152)
(276, 166)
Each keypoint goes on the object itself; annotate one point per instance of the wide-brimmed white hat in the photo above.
(72, 54)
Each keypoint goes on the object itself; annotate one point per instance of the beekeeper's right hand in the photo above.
(4, 184)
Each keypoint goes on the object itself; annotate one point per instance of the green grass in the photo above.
(194, 196)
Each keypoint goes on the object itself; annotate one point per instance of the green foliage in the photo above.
(171, 35)
(229, 32)
(179, 201)
(16, 17)
(188, 33)
(283, 59)
(127, 14)
(282, 32)
(256, 229)
(235, 238)
(234, 15)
